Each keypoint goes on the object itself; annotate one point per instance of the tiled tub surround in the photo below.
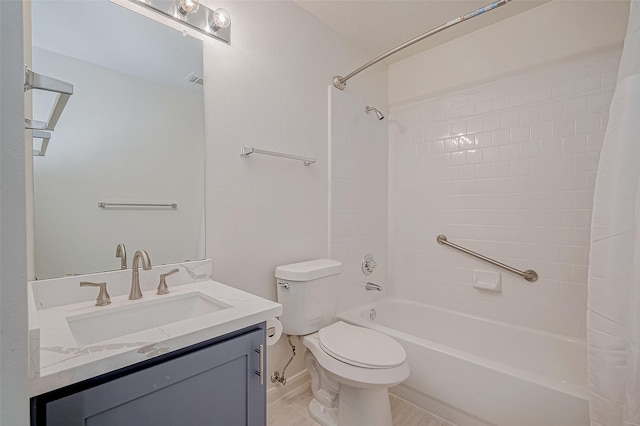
(474, 371)
(58, 360)
(507, 170)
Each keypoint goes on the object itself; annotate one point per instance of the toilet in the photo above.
(351, 367)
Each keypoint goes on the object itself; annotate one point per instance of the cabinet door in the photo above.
(213, 386)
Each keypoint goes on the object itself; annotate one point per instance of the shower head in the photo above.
(368, 110)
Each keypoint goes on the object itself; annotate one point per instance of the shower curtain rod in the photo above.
(341, 82)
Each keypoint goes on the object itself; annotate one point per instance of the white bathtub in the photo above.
(474, 371)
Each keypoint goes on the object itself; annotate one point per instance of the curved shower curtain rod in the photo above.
(341, 82)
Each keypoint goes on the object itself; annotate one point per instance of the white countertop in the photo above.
(58, 360)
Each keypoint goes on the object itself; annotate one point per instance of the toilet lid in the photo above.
(360, 346)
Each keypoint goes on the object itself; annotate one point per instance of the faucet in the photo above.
(135, 292)
(372, 286)
(121, 252)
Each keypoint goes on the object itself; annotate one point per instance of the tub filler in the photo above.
(474, 371)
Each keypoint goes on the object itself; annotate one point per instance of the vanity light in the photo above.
(187, 6)
(219, 19)
(213, 23)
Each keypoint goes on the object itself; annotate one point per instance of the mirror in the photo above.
(132, 132)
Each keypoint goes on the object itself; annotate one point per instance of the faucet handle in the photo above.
(162, 287)
(103, 297)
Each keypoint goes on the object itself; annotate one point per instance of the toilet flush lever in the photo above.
(283, 284)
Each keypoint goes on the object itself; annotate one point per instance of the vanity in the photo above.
(194, 356)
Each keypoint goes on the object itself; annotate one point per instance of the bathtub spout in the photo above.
(372, 286)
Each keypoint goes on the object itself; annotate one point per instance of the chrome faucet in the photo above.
(135, 292)
(121, 252)
(372, 286)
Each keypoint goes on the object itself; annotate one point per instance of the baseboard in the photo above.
(293, 383)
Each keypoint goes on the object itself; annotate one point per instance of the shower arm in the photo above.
(341, 82)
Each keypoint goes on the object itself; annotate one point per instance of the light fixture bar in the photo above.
(201, 19)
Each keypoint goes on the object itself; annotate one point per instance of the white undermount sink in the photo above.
(103, 324)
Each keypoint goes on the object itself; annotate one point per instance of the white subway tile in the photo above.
(565, 127)
(509, 119)
(563, 90)
(450, 144)
(483, 139)
(574, 107)
(588, 84)
(587, 161)
(458, 158)
(474, 156)
(599, 102)
(482, 171)
(551, 111)
(588, 123)
(500, 137)
(474, 125)
(483, 107)
(436, 146)
(529, 149)
(491, 154)
(491, 122)
(509, 152)
(520, 134)
(549, 147)
(574, 144)
(459, 128)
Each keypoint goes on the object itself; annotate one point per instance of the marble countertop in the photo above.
(57, 360)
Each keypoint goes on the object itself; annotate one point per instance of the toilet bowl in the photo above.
(350, 383)
(351, 367)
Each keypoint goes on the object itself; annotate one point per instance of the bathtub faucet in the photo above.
(372, 286)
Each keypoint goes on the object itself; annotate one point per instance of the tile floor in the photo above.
(291, 410)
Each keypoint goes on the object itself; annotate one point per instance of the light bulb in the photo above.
(187, 6)
(220, 18)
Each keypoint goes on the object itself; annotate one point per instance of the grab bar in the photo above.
(103, 204)
(529, 275)
(244, 152)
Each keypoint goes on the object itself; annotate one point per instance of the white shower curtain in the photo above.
(613, 313)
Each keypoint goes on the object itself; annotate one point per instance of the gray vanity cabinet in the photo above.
(212, 384)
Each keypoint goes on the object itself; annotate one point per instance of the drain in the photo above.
(372, 314)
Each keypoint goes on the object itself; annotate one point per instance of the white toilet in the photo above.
(351, 367)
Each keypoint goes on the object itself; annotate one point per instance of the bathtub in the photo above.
(474, 371)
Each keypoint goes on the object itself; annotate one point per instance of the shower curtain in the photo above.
(613, 307)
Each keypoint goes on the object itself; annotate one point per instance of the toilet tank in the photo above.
(307, 292)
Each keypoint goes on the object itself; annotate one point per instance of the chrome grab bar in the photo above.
(244, 152)
(529, 275)
(103, 205)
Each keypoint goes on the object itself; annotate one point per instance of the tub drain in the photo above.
(372, 314)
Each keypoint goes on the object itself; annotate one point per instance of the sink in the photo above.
(107, 323)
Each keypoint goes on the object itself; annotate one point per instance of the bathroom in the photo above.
(525, 200)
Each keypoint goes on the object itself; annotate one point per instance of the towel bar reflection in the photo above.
(529, 275)
(103, 205)
(244, 152)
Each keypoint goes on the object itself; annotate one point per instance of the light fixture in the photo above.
(213, 23)
(219, 19)
(187, 6)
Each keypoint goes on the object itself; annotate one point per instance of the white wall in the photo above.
(545, 35)
(506, 167)
(126, 139)
(269, 90)
(358, 196)
(14, 408)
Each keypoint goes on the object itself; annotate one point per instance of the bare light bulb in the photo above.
(187, 6)
(220, 18)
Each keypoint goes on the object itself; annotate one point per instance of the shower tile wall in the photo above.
(358, 196)
(508, 170)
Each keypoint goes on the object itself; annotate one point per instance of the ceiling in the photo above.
(378, 26)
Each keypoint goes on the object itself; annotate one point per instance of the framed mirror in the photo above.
(131, 133)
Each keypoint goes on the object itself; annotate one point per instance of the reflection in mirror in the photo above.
(132, 132)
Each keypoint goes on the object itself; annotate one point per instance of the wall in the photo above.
(358, 196)
(545, 35)
(508, 170)
(269, 90)
(14, 409)
(109, 133)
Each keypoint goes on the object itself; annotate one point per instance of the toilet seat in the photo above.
(361, 347)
